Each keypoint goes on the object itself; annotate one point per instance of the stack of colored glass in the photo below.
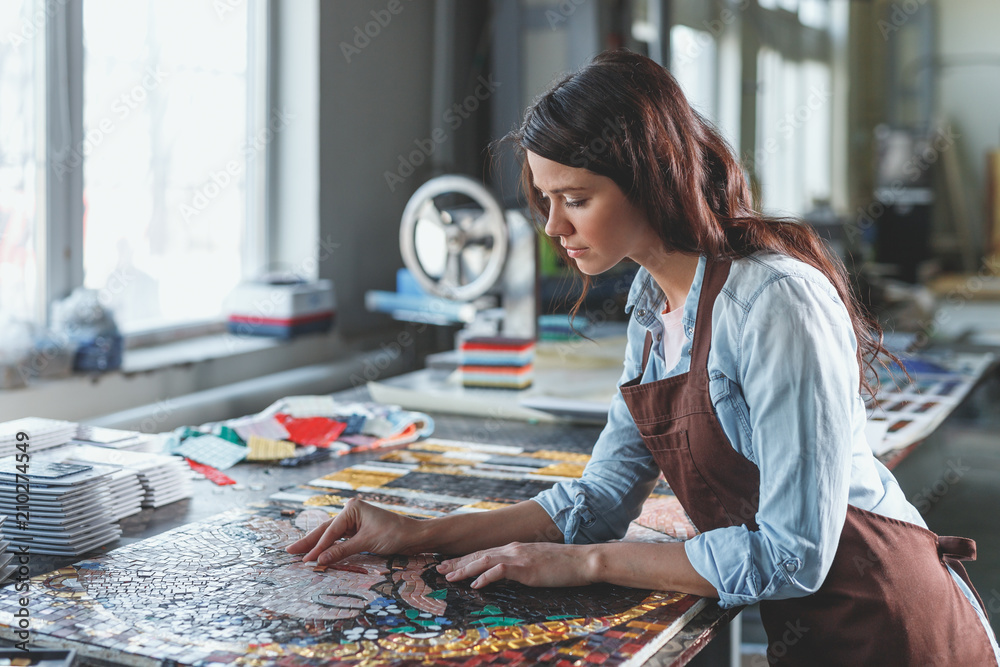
(497, 362)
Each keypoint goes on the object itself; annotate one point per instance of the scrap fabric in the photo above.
(225, 591)
(299, 430)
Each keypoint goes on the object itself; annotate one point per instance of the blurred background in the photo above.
(155, 155)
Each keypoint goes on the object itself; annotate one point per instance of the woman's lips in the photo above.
(575, 252)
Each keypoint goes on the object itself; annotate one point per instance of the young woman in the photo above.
(743, 376)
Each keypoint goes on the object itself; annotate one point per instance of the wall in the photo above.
(371, 110)
(968, 89)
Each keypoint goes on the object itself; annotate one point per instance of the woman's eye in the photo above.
(575, 203)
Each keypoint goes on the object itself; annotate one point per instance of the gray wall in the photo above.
(968, 90)
(371, 110)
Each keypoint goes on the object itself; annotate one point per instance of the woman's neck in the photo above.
(673, 272)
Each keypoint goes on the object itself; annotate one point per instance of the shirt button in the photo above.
(690, 331)
(641, 313)
(789, 567)
(659, 337)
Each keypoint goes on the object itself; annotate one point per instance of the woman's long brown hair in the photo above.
(625, 117)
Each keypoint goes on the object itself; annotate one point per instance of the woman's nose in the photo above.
(556, 225)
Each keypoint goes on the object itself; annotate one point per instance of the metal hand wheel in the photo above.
(453, 237)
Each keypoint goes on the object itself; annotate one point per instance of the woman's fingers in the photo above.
(486, 567)
(307, 541)
(344, 524)
(495, 573)
(463, 567)
(536, 564)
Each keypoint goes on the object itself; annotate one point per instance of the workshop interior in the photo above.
(259, 258)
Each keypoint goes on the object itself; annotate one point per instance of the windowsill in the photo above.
(162, 372)
(194, 350)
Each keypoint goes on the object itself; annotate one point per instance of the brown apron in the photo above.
(888, 598)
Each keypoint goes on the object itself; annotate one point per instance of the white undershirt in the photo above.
(673, 337)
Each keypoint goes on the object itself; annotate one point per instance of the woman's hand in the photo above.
(367, 528)
(533, 564)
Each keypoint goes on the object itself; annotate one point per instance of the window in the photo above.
(167, 160)
(20, 36)
(793, 157)
(693, 57)
(169, 140)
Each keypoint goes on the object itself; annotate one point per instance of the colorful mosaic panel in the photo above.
(225, 591)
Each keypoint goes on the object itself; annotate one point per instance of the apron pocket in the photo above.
(666, 441)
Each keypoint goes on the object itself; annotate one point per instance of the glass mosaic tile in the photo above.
(224, 590)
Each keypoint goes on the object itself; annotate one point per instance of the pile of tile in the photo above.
(162, 478)
(59, 508)
(114, 438)
(34, 434)
(6, 566)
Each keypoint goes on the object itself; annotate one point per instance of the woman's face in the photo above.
(590, 215)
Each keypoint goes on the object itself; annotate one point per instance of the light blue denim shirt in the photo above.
(802, 423)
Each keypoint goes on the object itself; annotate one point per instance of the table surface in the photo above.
(257, 481)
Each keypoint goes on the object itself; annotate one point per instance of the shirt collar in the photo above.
(647, 298)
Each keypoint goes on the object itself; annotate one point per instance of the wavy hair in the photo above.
(625, 117)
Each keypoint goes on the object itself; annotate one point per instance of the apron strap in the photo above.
(716, 273)
(952, 550)
(646, 347)
(956, 548)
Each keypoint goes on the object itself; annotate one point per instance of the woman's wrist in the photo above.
(595, 563)
(424, 537)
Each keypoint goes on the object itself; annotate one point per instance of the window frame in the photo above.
(59, 128)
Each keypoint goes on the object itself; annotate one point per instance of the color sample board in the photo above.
(224, 591)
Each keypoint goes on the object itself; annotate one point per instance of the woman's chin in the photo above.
(591, 268)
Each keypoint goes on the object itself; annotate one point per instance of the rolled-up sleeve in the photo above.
(618, 478)
(799, 377)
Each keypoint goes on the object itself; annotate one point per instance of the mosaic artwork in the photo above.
(224, 591)
(436, 477)
(910, 408)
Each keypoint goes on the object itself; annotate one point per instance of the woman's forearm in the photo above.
(464, 533)
(663, 567)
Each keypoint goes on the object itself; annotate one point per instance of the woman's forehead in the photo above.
(556, 177)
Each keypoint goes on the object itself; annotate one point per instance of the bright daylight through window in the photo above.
(165, 156)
